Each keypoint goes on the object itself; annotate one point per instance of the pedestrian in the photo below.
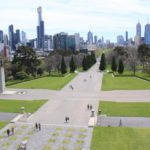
(8, 132)
(66, 119)
(88, 106)
(12, 130)
(39, 127)
(120, 123)
(36, 126)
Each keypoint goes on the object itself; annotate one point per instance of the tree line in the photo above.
(129, 57)
(26, 64)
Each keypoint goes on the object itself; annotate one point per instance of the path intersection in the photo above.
(55, 133)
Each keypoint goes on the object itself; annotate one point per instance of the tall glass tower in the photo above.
(147, 34)
(138, 29)
(40, 30)
(90, 37)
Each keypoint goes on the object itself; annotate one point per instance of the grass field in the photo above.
(140, 109)
(123, 83)
(109, 138)
(49, 82)
(2, 124)
(15, 105)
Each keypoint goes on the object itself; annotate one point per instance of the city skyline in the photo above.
(104, 18)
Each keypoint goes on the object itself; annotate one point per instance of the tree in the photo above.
(132, 59)
(26, 60)
(144, 55)
(84, 63)
(72, 65)
(93, 58)
(21, 75)
(63, 66)
(40, 71)
(89, 61)
(102, 65)
(120, 67)
(113, 65)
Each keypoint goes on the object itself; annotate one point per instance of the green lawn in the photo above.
(109, 138)
(140, 109)
(49, 82)
(123, 83)
(2, 124)
(15, 105)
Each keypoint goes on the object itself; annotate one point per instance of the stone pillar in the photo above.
(2, 79)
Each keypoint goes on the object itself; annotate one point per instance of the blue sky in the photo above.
(107, 18)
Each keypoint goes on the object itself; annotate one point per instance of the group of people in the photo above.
(66, 119)
(38, 126)
(10, 131)
(89, 106)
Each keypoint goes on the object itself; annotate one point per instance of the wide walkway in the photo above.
(72, 102)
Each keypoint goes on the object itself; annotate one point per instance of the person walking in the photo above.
(8, 132)
(88, 106)
(36, 126)
(66, 119)
(39, 127)
(120, 123)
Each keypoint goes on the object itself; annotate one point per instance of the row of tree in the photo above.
(114, 66)
(26, 64)
(133, 58)
(88, 61)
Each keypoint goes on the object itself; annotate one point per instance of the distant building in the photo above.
(60, 41)
(17, 36)
(126, 35)
(90, 37)
(23, 38)
(138, 29)
(1, 36)
(71, 43)
(120, 40)
(147, 34)
(48, 43)
(77, 41)
(40, 30)
(95, 40)
(11, 38)
(137, 41)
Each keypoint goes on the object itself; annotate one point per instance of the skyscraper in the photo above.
(23, 38)
(17, 36)
(40, 30)
(90, 37)
(138, 29)
(126, 36)
(1, 36)
(147, 34)
(60, 41)
(95, 39)
(11, 38)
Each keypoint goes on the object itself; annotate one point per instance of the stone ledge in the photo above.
(92, 121)
(16, 118)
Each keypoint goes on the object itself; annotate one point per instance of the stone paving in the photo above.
(140, 122)
(49, 138)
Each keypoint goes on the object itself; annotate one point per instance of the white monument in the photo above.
(2, 77)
